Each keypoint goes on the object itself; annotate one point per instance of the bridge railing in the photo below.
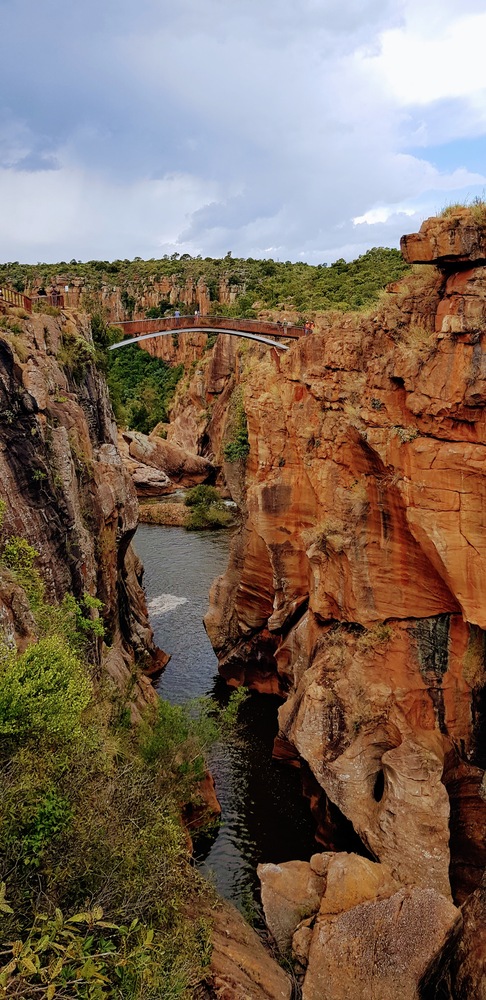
(14, 298)
(53, 299)
(278, 329)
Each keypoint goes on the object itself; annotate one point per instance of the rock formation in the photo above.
(66, 490)
(158, 467)
(351, 929)
(356, 585)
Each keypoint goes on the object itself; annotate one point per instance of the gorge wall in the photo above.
(356, 585)
(67, 492)
(130, 300)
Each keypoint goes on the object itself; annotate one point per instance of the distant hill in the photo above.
(236, 286)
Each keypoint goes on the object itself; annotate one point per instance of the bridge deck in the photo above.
(223, 323)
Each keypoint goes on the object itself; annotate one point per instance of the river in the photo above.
(264, 816)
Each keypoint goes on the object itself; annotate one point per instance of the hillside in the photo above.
(234, 286)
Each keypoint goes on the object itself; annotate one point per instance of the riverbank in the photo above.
(172, 514)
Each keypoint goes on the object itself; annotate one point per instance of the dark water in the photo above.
(264, 816)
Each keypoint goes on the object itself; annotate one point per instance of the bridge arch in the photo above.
(201, 329)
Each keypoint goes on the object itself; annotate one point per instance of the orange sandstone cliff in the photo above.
(357, 582)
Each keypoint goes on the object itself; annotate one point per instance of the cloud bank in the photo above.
(297, 129)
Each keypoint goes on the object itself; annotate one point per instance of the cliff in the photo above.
(356, 585)
(66, 490)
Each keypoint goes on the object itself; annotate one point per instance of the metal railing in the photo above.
(53, 299)
(14, 298)
(258, 326)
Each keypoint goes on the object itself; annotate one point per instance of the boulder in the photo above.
(379, 949)
(241, 968)
(291, 892)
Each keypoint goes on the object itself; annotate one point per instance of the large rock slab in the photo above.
(378, 950)
(450, 239)
(181, 467)
(241, 968)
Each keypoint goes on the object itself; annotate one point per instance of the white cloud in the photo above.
(203, 126)
(420, 69)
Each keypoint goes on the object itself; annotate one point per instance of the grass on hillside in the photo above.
(98, 898)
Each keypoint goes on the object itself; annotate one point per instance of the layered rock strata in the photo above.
(356, 585)
(66, 490)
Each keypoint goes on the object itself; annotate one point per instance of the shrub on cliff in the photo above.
(207, 509)
(43, 692)
(237, 447)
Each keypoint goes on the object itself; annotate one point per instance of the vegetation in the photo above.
(256, 284)
(97, 895)
(476, 209)
(207, 509)
(237, 447)
(141, 387)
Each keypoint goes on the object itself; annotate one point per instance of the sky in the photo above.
(292, 129)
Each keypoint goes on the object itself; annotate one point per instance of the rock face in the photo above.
(356, 585)
(241, 968)
(350, 928)
(66, 489)
(158, 467)
(458, 237)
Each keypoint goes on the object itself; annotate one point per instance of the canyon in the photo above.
(354, 591)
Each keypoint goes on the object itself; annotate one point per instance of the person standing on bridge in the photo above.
(177, 313)
(196, 314)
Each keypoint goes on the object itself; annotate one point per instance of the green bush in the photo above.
(207, 509)
(77, 354)
(201, 495)
(237, 448)
(43, 692)
(209, 518)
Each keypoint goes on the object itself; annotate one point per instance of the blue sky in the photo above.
(296, 129)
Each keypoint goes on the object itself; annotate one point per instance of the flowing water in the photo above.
(264, 816)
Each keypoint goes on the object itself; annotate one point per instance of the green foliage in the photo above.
(207, 509)
(141, 387)
(3, 507)
(77, 354)
(77, 622)
(43, 692)
(87, 957)
(92, 813)
(155, 312)
(128, 302)
(259, 283)
(237, 447)
(201, 495)
(209, 518)
(45, 308)
(51, 818)
(18, 555)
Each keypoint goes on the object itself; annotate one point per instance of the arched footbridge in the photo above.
(252, 329)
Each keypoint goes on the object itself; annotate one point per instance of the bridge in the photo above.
(252, 329)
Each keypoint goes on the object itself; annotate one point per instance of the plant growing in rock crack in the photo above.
(237, 447)
(329, 536)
